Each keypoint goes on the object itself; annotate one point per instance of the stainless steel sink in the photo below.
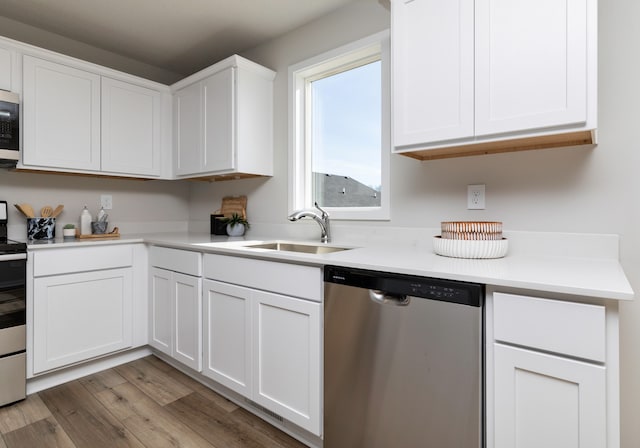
(297, 247)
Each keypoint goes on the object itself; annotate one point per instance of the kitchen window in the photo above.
(339, 131)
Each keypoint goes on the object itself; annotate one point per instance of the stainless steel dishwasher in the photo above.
(403, 361)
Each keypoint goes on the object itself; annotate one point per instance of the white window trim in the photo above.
(299, 162)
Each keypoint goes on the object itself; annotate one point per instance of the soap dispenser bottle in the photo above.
(85, 222)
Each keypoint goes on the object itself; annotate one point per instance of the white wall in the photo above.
(138, 206)
(558, 190)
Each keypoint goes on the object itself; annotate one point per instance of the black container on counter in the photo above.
(218, 225)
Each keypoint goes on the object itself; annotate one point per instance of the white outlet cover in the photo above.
(475, 197)
(106, 201)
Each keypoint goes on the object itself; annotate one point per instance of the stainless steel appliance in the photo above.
(9, 128)
(13, 334)
(403, 361)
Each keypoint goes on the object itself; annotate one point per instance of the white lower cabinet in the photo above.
(261, 343)
(175, 306)
(543, 400)
(80, 315)
(545, 388)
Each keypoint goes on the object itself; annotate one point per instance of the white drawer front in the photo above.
(81, 259)
(183, 261)
(283, 278)
(574, 329)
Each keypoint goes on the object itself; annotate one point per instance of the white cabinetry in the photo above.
(77, 120)
(261, 343)
(478, 76)
(8, 68)
(82, 305)
(61, 116)
(176, 305)
(552, 369)
(223, 118)
(130, 128)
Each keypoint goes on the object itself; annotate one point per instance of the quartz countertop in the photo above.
(599, 277)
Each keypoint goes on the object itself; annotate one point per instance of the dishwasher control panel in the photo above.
(466, 293)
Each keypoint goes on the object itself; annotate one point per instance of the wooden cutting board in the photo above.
(234, 204)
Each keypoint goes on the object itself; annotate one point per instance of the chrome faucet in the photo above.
(322, 219)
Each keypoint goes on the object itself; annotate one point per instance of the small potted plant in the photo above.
(69, 231)
(236, 225)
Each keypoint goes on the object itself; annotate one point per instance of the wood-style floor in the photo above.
(145, 403)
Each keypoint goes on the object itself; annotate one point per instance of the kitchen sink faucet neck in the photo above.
(321, 218)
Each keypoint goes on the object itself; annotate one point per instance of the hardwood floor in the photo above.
(145, 403)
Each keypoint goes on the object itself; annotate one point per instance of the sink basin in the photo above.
(297, 247)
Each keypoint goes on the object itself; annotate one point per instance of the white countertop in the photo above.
(583, 276)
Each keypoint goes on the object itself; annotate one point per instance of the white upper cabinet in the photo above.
(61, 116)
(8, 68)
(223, 121)
(218, 95)
(78, 120)
(187, 106)
(130, 128)
(531, 64)
(481, 76)
(425, 31)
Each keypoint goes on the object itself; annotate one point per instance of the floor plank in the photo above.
(145, 403)
(102, 380)
(249, 420)
(22, 414)
(147, 420)
(153, 382)
(192, 384)
(43, 433)
(84, 419)
(216, 425)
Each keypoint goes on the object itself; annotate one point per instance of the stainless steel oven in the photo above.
(13, 316)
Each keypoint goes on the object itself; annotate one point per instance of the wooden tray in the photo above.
(115, 233)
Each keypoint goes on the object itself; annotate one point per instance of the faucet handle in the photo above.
(325, 215)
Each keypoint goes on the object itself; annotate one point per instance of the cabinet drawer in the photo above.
(81, 259)
(284, 278)
(574, 329)
(183, 261)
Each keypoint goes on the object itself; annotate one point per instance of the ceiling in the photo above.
(181, 36)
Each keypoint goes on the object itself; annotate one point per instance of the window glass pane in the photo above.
(346, 138)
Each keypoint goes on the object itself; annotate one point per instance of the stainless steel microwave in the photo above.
(9, 128)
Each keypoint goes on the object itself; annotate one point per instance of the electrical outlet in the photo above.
(106, 201)
(475, 197)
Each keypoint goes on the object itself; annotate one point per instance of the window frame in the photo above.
(300, 75)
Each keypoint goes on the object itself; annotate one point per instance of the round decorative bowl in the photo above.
(470, 248)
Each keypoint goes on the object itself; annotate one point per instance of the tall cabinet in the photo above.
(478, 76)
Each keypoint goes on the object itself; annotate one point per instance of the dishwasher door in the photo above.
(402, 376)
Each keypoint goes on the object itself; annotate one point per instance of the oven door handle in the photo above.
(11, 257)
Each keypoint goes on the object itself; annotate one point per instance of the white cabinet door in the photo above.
(160, 316)
(188, 124)
(531, 64)
(187, 319)
(433, 71)
(61, 116)
(130, 128)
(227, 335)
(547, 401)
(77, 317)
(175, 315)
(7, 66)
(286, 366)
(219, 144)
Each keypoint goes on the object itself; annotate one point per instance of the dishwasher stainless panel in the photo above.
(404, 373)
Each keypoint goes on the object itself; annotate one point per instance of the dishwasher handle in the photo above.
(385, 298)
